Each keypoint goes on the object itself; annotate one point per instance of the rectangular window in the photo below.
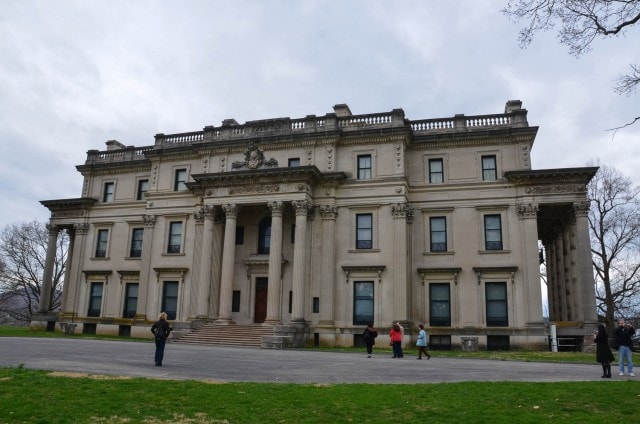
(438, 233)
(316, 305)
(439, 305)
(364, 167)
(170, 299)
(95, 300)
(130, 300)
(489, 168)
(107, 195)
(364, 231)
(496, 297)
(290, 301)
(362, 302)
(239, 235)
(492, 232)
(293, 162)
(436, 171)
(143, 186)
(293, 233)
(180, 180)
(136, 242)
(175, 237)
(235, 301)
(101, 244)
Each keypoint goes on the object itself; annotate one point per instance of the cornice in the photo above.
(108, 167)
(82, 203)
(307, 174)
(475, 138)
(580, 176)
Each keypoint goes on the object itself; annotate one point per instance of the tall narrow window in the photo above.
(362, 302)
(438, 233)
(293, 162)
(264, 235)
(170, 299)
(235, 301)
(143, 187)
(489, 168)
(179, 183)
(136, 242)
(364, 231)
(101, 244)
(439, 305)
(175, 237)
(107, 195)
(436, 171)
(496, 297)
(492, 232)
(130, 300)
(95, 300)
(239, 234)
(364, 167)
(293, 233)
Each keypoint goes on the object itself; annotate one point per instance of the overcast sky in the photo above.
(74, 74)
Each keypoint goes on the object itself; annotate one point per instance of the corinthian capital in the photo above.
(231, 210)
(401, 210)
(302, 207)
(582, 208)
(328, 211)
(275, 208)
(527, 210)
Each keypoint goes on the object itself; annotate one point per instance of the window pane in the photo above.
(489, 169)
(362, 302)
(438, 227)
(136, 242)
(496, 298)
(264, 236)
(180, 180)
(143, 186)
(294, 162)
(364, 167)
(101, 245)
(493, 232)
(175, 237)
(170, 299)
(436, 174)
(95, 300)
(439, 304)
(107, 196)
(364, 231)
(130, 300)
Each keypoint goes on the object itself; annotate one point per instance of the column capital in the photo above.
(527, 210)
(275, 207)
(401, 210)
(328, 211)
(81, 228)
(150, 220)
(231, 210)
(52, 229)
(581, 208)
(302, 207)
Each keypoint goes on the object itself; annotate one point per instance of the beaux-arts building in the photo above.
(317, 226)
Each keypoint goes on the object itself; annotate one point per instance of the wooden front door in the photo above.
(260, 309)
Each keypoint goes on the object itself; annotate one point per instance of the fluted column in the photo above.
(216, 264)
(204, 281)
(73, 274)
(299, 260)
(329, 214)
(228, 263)
(145, 308)
(47, 276)
(274, 304)
(587, 295)
(532, 299)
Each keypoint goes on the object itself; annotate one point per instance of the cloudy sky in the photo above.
(74, 74)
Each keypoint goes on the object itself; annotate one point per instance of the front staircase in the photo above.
(227, 335)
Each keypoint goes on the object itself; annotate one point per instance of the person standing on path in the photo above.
(422, 342)
(603, 351)
(161, 330)
(370, 334)
(395, 336)
(622, 338)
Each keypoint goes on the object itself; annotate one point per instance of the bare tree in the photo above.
(23, 249)
(580, 23)
(614, 220)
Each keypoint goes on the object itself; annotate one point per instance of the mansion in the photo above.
(311, 228)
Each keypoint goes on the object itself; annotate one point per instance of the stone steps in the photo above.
(227, 335)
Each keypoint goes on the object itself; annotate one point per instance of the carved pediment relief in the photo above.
(254, 159)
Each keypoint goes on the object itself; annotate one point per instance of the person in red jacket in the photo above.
(395, 335)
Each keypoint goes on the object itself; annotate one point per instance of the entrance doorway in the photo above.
(260, 309)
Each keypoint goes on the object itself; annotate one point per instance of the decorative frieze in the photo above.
(255, 189)
(556, 188)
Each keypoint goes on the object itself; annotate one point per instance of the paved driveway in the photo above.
(199, 362)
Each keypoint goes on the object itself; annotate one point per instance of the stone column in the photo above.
(562, 299)
(530, 291)
(586, 284)
(47, 276)
(67, 273)
(399, 211)
(216, 264)
(228, 264)
(274, 304)
(299, 260)
(202, 285)
(552, 286)
(192, 292)
(145, 309)
(73, 276)
(327, 290)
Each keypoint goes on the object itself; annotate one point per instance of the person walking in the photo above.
(422, 343)
(622, 339)
(161, 330)
(370, 334)
(395, 335)
(603, 351)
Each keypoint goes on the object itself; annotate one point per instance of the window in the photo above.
(170, 299)
(293, 233)
(364, 231)
(438, 233)
(130, 300)
(293, 162)
(436, 171)
(489, 168)
(362, 302)
(364, 167)
(316, 305)
(264, 235)
(136, 242)
(496, 297)
(180, 180)
(239, 235)
(101, 244)
(175, 237)
(492, 232)
(290, 301)
(107, 194)
(439, 305)
(143, 187)
(95, 300)
(235, 301)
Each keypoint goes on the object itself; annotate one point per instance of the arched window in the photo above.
(264, 235)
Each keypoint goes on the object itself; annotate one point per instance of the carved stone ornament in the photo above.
(400, 210)
(582, 208)
(81, 228)
(556, 188)
(149, 220)
(328, 211)
(527, 210)
(255, 189)
(254, 159)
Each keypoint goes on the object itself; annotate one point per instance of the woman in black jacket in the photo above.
(161, 330)
(603, 351)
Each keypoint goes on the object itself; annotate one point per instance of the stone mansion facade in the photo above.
(323, 224)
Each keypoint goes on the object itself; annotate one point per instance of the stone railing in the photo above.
(365, 120)
(121, 155)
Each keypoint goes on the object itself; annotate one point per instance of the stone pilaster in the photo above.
(329, 214)
(146, 308)
(400, 212)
